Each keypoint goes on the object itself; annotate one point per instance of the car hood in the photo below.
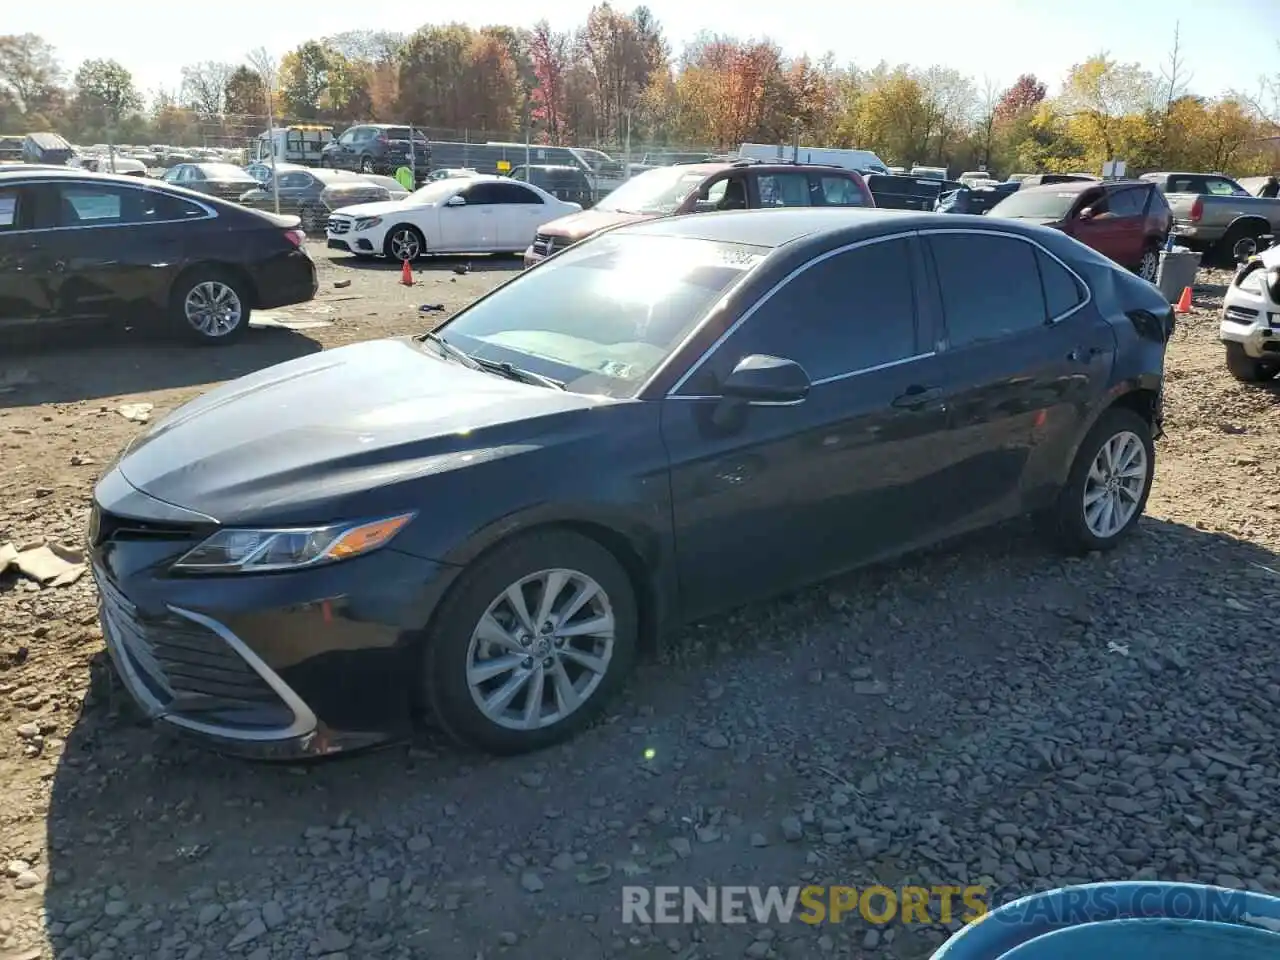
(296, 441)
(379, 209)
(578, 226)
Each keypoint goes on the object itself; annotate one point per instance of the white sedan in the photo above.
(481, 214)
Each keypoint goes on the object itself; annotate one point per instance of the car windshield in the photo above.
(602, 316)
(656, 192)
(437, 191)
(1036, 204)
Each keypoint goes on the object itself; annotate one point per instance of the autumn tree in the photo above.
(551, 55)
(1024, 95)
(243, 94)
(29, 71)
(432, 76)
(304, 78)
(1107, 103)
(204, 87)
(492, 89)
(622, 51)
(104, 92)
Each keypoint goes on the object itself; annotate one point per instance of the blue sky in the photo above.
(1228, 43)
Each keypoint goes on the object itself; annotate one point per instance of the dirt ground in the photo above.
(988, 713)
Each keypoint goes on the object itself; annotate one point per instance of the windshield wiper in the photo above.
(449, 350)
(516, 373)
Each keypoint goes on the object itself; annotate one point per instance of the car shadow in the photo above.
(105, 361)
(480, 263)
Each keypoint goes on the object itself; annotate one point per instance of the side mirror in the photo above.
(1085, 214)
(457, 200)
(764, 379)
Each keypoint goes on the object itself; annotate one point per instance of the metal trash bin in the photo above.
(1177, 271)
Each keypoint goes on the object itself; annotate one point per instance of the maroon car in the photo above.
(1126, 220)
(700, 187)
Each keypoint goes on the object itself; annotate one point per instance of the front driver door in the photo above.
(767, 497)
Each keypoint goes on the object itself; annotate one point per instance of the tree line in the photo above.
(616, 79)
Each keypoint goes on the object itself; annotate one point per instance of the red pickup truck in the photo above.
(1126, 220)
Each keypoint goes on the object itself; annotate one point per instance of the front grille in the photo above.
(544, 244)
(189, 670)
(105, 526)
(337, 225)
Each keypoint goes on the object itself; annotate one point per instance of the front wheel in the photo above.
(1245, 368)
(531, 644)
(1108, 485)
(210, 306)
(366, 164)
(404, 242)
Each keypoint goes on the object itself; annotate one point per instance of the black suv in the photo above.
(378, 148)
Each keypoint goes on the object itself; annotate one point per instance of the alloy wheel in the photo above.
(541, 649)
(213, 308)
(1114, 485)
(1150, 266)
(404, 245)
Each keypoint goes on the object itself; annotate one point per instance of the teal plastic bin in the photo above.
(1125, 921)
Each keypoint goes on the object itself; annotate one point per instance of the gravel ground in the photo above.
(988, 713)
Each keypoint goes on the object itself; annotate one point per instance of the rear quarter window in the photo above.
(1062, 292)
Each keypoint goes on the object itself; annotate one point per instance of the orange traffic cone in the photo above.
(1184, 301)
(406, 275)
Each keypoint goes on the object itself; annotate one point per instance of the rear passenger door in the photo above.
(1025, 357)
(1126, 218)
(519, 213)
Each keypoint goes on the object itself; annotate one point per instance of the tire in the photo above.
(404, 242)
(455, 645)
(1078, 529)
(1246, 369)
(226, 304)
(1224, 250)
(1149, 266)
(366, 165)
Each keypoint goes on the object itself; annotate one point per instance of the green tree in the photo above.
(29, 71)
(244, 94)
(304, 78)
(104, 93)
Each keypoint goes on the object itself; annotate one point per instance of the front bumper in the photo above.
(353, 242)
(1252, 321)
(272, 666)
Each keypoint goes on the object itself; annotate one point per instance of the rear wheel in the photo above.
(1108, 485)
(366, 164)
(1240, 243)
(531, 644)
(210, 306)
(1149, 266)
(1246, 369)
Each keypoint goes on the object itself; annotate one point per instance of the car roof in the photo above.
(774, 228)
(1079, 186)
(65, 173)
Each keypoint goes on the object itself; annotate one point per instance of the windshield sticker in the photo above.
(616, 369)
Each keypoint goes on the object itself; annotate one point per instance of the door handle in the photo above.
(916, 396)
(1081, 354)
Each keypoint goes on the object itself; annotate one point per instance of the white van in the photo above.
(862, 161)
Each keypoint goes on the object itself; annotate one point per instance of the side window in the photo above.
(11, 210)
(1221, 187)
(349, 137)
(836, 192)
(783, 189)
(990, 286)
(82, 204)
(1130, 202)
(1183, 184)
(1062, 292)
(295, 181)
(850, 312)
(193, 175)
(161, 206)
(511, 193)
(480, 193)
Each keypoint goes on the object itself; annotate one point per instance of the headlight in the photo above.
(364, 223)
(1252, 281)
(252, 551)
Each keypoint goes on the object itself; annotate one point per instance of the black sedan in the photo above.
(312, 194)
(75, 245)
(225, 181)
(667, 420)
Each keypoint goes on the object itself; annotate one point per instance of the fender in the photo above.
(1144, 381)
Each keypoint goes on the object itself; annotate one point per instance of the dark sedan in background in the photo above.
(80, 245)
(907, 192)
(225, 181)
(311, 194)
(666, 420)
